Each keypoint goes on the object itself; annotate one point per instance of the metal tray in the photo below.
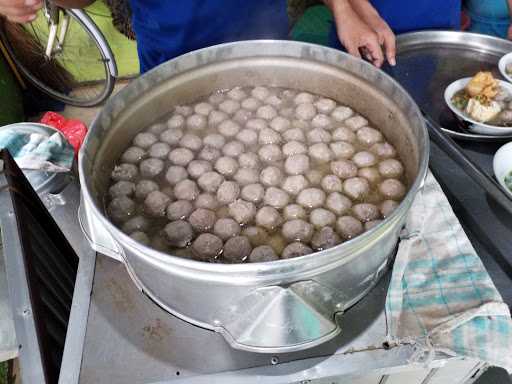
(428, 61)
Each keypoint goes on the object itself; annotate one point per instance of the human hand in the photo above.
(20, 11)
(509, 32)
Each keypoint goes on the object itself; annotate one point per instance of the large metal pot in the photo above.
(280, 306)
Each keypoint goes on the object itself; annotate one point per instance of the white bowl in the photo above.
(502, 65)
(475, 126)
(502, 164)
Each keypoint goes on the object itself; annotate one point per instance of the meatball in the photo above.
(342, 150)
(160, 243)
(295, 250)
(125, 172)
(121, 209)
(297, 230)
(325, 105)
(207, 247)
(314, 176)
(249, 160)
(325, 238)
(242, 211)
(305, 111)
(294, 148)
(137, 223)
(294, 211)
(157, 129)
(191, 141)
(356, 187)
(251, 104)
(176, 122)
(203, 108)
(133, 155)
(247, 136)
(209, 154)
(179, 210)
(256, 124)
(369, 136)
(144, 140)
(159, 150)
(392, 189)
(269, 136)
(318, 135)
(202, 220)
(391, 168)
(246, 176)
(216, 98)
(197, 167)
(226, 166)
(228, 192)
(321, 217)
(214, 140)
(321, 153)
(226, 228)
(304, 97)
(260, 93)
(266, 112)
(144, 187)
(237, 94)
(186, 190)
(344, 169)
(179, 233)
(171, 136)
(253, 193)
(383, 150)
(184, 110)
(210, 181)
(370, 173)
(242, 116)
(181, 156)
(156, 203)
(311, 198)
(271, 176)
(322, 121)
(237, 249)
(355, 122)
(366, 212)
(338, 203)
(270, 153)
(274, 100)
(196, 122)
(268, 218)
(233, 149)
(216, 117)
(206, 200)
(151, 168)
(364, 159)
(296, 164)
(294, 134)
(228, 128)
(348, 227)
(331, 183)
(344, 134)
(175, 174)
(229, 106)
(387, 207)
(256, 235)
(276, 197)
(280, 124)
(342, 113)
(294, 184)
(122, 188)
(262, 254)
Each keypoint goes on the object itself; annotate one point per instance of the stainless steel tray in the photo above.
(428, 61)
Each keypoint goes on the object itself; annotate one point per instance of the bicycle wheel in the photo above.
(81, 72)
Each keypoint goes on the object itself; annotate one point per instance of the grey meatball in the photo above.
(133, 155)
(247, 136)
(270, 153)
(196, 122)
(311, 198)
(342, 113)
(295, 250)
(157, 129)
(387, 207)
(251, 104)
(366, 212)
(207, 247)
(186, 190)
(304, 97)
(233, 149)
(344, 169)
(271, 176)
(321, 217)
(151, 168)
(369, 136)
(260, 93)
(176, 121)
(344, 134)
(338, 203)
(253, 192)
(314, 176)
(249, 160)
(318, 135)
(325, 238)
(294, 134)
(237, 249)
(144, 187)
(203, 108)
(370, 173)
(256, 124)
(242, 116)
(331, 183)
(140, 237)
(137, 223)
(269, 136)
(355, 122)
(216, 117)
(296, 164)
(226, 166)
(305, 111)
(325, 105)
(342, 149)
(122, 188)
(322, 121)
(210, 181)
(125, 172)
(383, 150)
(217, 98)
(181, 156)
(175, 174)
(297, 230)
(391, 168)
(320, 152)
(266, 112)
(263, 254)
(209, 154)
(184, 110)
(242, 211)
(214, 140)
(348, 227)
(268, 218)
(246, 176)
(156, 203)
(356, 188)
(159, 150)
(198, 167)
(144, 140)
(228, 192)
(229, 106)
(392, 189)
(202, 220)
(237, 94)
(171, 136)
(179, 210)
(226, 228)
(280, 124)
(191, 141)
(294, 184)
(256, 235)
(206, 200)
(294, 148)
(364, 159)
(228, 128)
(294, 211)
(121, 209)
(276, 197)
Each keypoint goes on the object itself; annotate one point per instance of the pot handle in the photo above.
(96, 234)
(278, 319)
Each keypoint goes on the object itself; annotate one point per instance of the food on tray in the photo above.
(508, 69)
(484, 100)
(255, 174)
(508, 181)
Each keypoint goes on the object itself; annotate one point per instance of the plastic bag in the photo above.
(74, 130)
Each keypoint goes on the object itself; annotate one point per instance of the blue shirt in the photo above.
(169, 28)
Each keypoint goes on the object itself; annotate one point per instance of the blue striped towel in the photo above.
(441, 298)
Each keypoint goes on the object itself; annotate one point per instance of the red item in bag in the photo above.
(73, 130)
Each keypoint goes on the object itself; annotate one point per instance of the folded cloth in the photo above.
(441, 298)
(49, 152)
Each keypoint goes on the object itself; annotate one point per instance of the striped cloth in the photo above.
(441, 298)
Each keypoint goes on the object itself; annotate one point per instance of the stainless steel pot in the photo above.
(280, 306)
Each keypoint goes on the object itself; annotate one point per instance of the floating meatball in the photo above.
(121, 209)
(268, 218)
(305, 111)
(237, 249)
(156, 203)
(228, 128)
(214, 140)
(256, 235)
(295, 250)
(197, 167)
(207, 247)
(246, 176)
(369, 136)
(202, 220)
(144, 187)
(181, 156)
(270, 153)
(269, 136)
(321, 217)
(364, 159)
(184, 110)
(216, 117)
(277, 242)
(210, 181)
(325, 105)
(356, 188)
(159, 150)
(256, 124)
(133, 155)
(137, 223)
(391, 168)
(344, 169)
(294, 134)
(304, 97)
(314, 176)
(122, 188)
(318, 135)
(344, 134)
(216, 98)
(296, 164)
(271, 176)
(392, 189)
(206, 200)
(144, 140)
(247, 136)
(332, 183)
(242, 116)
(237, 94)
(311, 198)
(263, 254)
(253, 193)
(338, 203)
(233, 149)
(228, 192)
(266, 112)
(274, 100)
(191, 141)
(325, 238)
(226, 165)
(226, 228)
(348, 227)
(125, 172)
(370, 173)
(242, 211)
(249, 160)
(383, 150)
(342, 113)
(321, 153)
(387, 207)
(294, 184)
(157, 129)
(141, 237)
(276, 197)
(297, 230)
(186, 190)
(151, 168)
(175, 174)
(355, 122)
(196, 122)
(179, 210)
(294, 148)
(171, 136)
(229, 106)
(370, 224)
(294, 211)
(160, 243)
(260, 93)
(322, 121)
(342, 150)
(280, 124)
(366, 212)
(251, 104)
(209, 154)
(203, 108)
(176, 122)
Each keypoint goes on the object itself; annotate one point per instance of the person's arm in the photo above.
(509, 33)
(23, 11)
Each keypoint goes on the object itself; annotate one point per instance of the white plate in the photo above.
(502, 164)
(475, 126)
(502, 65)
